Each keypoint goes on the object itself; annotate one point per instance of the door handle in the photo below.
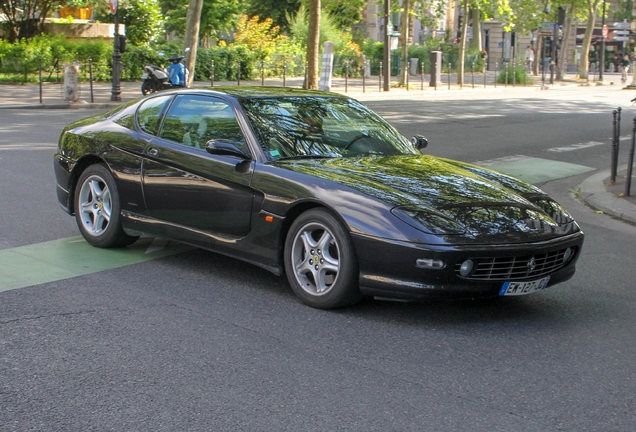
(153, 151)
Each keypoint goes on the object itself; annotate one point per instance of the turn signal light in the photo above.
(428, 263)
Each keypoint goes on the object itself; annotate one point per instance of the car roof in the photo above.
(250, 92)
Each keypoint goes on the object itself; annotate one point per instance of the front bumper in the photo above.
(388, 268)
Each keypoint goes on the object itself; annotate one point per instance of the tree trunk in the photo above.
(476, 44)
(450, 20)
(404, 30)
(585, 46)
(191, 38)
(313, 44)
(462, 44)
(564, 46)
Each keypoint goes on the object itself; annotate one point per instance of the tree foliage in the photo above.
(142, 19)
(277, 10)
(344, 14)
(217, 16)
(25, 18)
(259, 37)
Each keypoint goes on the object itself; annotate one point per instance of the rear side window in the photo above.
(150, 113)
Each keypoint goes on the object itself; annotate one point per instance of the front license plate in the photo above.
(522, 288)
(144, 76)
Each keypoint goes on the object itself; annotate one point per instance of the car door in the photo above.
(184, 184)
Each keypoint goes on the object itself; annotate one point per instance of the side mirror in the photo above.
(225, 148)
(419, 142)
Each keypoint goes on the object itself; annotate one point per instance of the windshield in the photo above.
(314, 127)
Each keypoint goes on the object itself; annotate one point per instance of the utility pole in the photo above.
(115, 93)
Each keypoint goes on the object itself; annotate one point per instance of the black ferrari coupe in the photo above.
(314, 185)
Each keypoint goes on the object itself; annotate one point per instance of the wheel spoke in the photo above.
(315, 267)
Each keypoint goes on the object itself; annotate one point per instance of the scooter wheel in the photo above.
(147, 87)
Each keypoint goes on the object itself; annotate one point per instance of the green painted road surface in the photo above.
(536, 170)
(71, 257)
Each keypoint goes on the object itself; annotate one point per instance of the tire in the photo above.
(97, 209)
(320, 261)
(147, 87)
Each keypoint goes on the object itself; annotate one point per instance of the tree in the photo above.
(25, 18)
(591, 6)
(142, 19)
(261, 38)
(217, 16)
(404, 30)
(345, 13)
(191, 39)
(462, 43)
(313, 44)
(277, 10)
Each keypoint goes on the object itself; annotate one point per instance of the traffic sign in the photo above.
(621, 25)
(621, 38)
(621, 32)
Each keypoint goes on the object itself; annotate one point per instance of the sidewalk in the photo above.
(595, 191)
(52, 96)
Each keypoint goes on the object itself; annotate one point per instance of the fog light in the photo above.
(428, 263)
(567, 255)
(466, 268)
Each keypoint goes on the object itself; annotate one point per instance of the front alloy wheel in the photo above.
(320, 261)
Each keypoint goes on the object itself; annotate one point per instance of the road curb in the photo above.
(594, 194)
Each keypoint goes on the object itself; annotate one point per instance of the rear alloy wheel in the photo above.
(97, 209)
(320, 261)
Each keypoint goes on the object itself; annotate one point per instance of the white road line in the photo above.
(578, 146)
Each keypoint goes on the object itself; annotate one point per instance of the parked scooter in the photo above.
(156, 78)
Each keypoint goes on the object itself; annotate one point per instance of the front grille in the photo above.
(517, 267)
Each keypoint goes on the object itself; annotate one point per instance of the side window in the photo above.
(194, 120)
(150, 112)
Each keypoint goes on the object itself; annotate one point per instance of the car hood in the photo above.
(444, 197)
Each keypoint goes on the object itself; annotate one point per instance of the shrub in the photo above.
(517, 74)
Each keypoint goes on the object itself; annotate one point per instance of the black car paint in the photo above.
(175, 192)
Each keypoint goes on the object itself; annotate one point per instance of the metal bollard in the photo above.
(90, 77)
(40, 72)
(496, 73)
(630, 162)
(614, 162)
(364, 76)
(422, 75)
(211, 73)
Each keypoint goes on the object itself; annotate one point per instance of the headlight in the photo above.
(428, 221)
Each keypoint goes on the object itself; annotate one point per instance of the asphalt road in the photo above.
(196, 341)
